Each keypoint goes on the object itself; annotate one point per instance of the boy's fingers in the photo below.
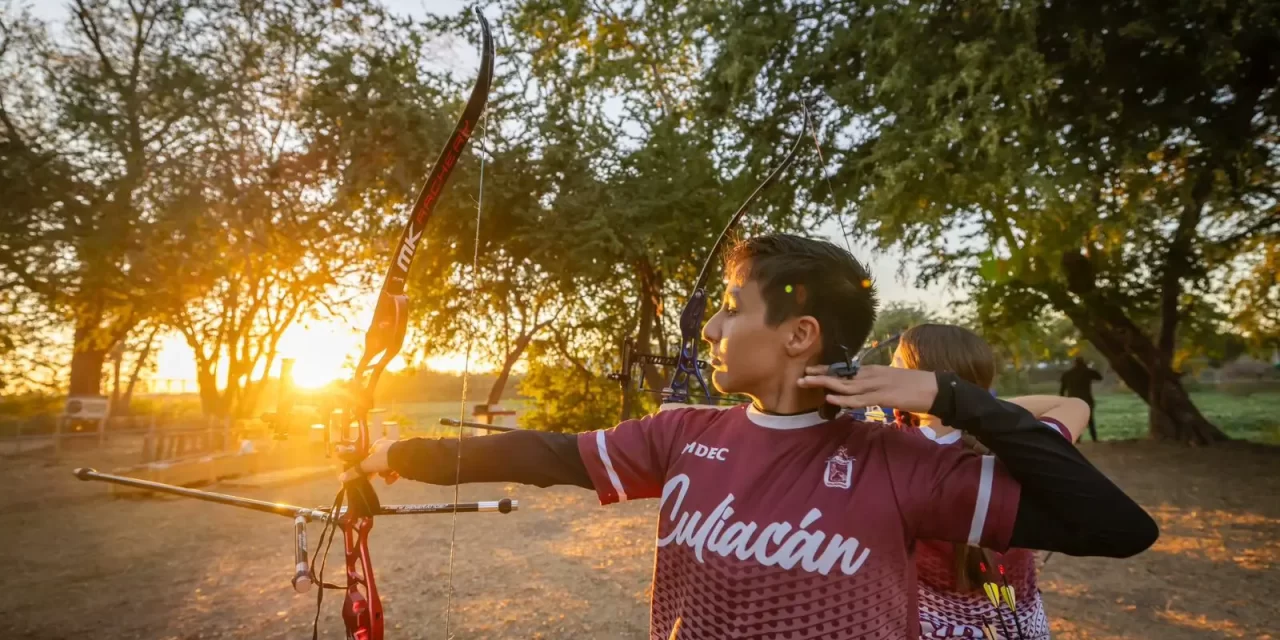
(847, 402)
(839, 385)
(353, 473)
(816, 370)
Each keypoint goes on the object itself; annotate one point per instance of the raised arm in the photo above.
(1063, 502)
(1072, 413)
(1066, 504)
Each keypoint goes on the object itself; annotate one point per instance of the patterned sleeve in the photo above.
(630, 461)
(950, 493)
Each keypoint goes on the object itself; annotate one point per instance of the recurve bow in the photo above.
(686, 366)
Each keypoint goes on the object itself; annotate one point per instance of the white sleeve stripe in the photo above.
(984, 500)
(1058, 427)
(608, 466)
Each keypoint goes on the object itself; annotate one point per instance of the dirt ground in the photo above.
(80, 564)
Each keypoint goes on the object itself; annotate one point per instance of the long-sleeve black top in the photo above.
(1065, 504)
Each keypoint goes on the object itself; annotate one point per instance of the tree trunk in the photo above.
(137, 370)
(650, 311)
(1161, 421)
(96, 333)
(500, 385)
(207, 384)
(1171, 413)
(628, 394)
(116, 363)
(86, 369)
(1133, 356)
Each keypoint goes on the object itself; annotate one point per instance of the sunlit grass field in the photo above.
(1255, 417)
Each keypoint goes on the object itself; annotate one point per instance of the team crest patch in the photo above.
(839, 472)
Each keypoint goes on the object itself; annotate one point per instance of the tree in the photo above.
(138, 352)
(106, 119)
(643, 170)
(569, 392)
(100, 125)
(285, 250)
(1103, 160)
(1255, 294)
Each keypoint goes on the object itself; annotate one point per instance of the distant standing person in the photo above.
(1077, 382)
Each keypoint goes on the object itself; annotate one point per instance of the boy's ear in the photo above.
(805, 338)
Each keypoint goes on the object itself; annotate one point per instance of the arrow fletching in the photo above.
(1007, 592)
(993, 593)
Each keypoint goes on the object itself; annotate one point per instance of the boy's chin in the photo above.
(723, 383)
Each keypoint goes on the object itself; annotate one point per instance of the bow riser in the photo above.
(632, 359)
(362, 609)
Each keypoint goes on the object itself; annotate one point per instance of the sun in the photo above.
(322, 352)
(319, 352)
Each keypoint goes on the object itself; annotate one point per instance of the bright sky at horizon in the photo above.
(322, 348)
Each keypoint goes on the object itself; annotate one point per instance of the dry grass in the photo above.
(79, 564)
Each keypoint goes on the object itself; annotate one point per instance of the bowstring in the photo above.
(822, 166)
(481, 143)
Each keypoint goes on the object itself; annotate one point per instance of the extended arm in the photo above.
(538, 458)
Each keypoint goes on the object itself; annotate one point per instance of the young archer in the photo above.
(777, 523)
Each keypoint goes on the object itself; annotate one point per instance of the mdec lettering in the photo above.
(740, 539)
(703, 451)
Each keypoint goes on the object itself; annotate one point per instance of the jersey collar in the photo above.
(771, 421)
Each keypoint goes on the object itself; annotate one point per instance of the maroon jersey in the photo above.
(948, 613)
(792, 526)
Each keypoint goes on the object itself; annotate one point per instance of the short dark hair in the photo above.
(806, 277)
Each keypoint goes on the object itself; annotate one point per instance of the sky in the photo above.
(321, 349)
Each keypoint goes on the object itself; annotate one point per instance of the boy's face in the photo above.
(745, 351)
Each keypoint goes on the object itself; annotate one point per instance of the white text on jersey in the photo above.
(703, 451)
(794, 547)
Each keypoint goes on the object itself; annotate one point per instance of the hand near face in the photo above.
(906, 389)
